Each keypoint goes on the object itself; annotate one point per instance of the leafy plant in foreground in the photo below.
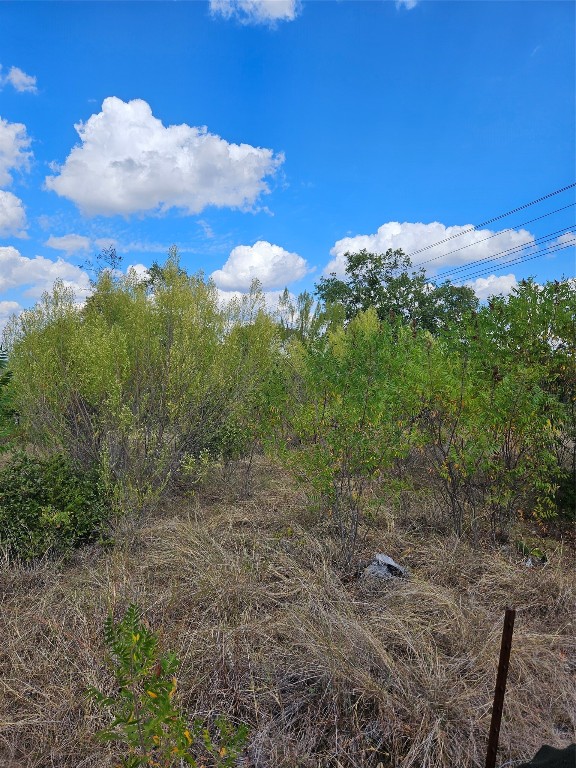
(145, 717)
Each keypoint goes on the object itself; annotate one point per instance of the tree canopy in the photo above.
(389, 283)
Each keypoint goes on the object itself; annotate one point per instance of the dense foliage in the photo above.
(137, 381)
(389, 283)
(47, 506)
(389, 383)
(6, 411)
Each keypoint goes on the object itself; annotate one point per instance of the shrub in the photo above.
(145, 717)
(6, 412)
(342, 415)
(140, 378)
(47, 505)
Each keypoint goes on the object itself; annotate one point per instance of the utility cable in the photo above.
(518, 260)
(496, 256)
(496, 234)
(495, 218)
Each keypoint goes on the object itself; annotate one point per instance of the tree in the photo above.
(158, 274)
(299, 317)
(107, 261)
(389, 283)
(6, 411)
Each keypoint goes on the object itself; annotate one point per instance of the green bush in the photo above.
(6, 412)
(138, 380)
(47, 505)
(145, 717)
(566, 496)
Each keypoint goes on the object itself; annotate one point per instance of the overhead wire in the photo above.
(519, 260)
(493, 219)
(495, 234)
(499, 254)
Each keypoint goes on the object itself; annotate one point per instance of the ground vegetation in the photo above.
(211, 479)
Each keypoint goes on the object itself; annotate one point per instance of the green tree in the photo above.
(530, 335)
(140, 382)
(6, 409)
(341, 411)
(298, 317)
(389, 283)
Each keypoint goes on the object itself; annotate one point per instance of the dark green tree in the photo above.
(158, 274)
(389, 283)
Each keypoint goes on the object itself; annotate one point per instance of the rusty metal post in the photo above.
(498, 705)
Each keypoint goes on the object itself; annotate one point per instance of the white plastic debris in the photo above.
(383, 567)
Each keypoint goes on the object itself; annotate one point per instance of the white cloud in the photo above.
(142, 246)
(484, 287)
(128, 161)
(408, 4)
(568, 238)
(70, 244)
(12, 215)
(7, 309)
(273, 266)
(14, 154)
(106, 242)
(139, 270)
(38, 274)
(206, 229)
(257, 11)
(19, 80)
(463, 247)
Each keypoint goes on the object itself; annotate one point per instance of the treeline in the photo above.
(380, 385)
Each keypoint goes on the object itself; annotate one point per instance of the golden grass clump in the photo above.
(328, 672)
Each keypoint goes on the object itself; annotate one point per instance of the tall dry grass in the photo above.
(328, 671)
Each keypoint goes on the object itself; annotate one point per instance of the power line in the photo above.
(495, 218)
(520, 260)
(517, 261)
(497, 256)
(496, 234)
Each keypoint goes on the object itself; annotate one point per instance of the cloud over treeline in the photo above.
(434, 245)
(272, 265)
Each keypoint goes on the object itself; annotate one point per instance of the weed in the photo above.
(145, 717)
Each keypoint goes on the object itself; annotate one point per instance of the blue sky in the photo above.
(267, 137)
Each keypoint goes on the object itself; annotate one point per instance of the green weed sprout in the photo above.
(145, 717)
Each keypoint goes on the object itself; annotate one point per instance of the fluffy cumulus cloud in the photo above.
(19, 80)
(12, 215)
(7, 309)
(456, 245)
(257, 11)
(70, 244)
(14, 150)
(408, 4)
(273, 266)
(568, 238)
(493, 285)
(38, 274)
(128, 161)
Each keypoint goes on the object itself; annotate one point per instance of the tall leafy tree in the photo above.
(389, 283)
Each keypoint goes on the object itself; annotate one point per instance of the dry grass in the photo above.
(326, 671)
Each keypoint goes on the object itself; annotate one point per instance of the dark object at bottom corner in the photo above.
(549, 757)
